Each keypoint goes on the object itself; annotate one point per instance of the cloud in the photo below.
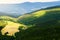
(42, 0)
(22, 1)
(9, 1)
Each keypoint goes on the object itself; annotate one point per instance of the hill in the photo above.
(45, 25)
(8, 18)
(9, 26)
(42, 24)
(43, 15)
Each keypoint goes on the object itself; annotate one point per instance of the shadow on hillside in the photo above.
(46, 28)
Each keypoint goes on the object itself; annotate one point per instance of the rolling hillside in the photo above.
(40, 16)
(8, 18)
(42, 24)
(9, 26)
(45, 25)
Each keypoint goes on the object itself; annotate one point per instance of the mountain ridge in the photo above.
(27, 7)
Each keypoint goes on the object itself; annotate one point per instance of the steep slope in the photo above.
(40, 16)
(46, 25)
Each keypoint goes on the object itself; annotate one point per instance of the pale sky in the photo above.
(22, 1)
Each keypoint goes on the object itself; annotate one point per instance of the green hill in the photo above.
(8, 18)
(40, 16)
(45, 25)
(42, 24)
(9, 26)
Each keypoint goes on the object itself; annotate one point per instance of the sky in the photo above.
(22, 1)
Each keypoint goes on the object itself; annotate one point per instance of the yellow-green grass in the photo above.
(38, 13)
(43, 12)
(8, 18)
(12, 28)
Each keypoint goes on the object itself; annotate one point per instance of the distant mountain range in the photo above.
(19, 9)
(43, 15)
